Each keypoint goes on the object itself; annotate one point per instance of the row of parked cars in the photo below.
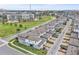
(64, 46)
(52, 38)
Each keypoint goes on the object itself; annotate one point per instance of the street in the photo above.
(6, 50)
(53, 50)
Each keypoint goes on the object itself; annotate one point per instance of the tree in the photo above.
(3, 21)
(16, 39)
(20, 25)
(31, 45)
(40, 17)
(25, 27)
(11, 24)
(15, 24)
(7, 23)
(17, 29)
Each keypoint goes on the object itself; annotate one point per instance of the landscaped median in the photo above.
(26, 49)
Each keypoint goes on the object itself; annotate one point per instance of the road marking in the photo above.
(2, 40)
(3, 44)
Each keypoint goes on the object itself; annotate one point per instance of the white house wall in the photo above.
(76, 30)
(27, 16)
(28, 42)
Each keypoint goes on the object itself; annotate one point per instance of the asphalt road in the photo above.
(6, 50)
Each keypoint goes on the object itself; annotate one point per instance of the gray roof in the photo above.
(46, 36)
(72, 50)
(41, 43)
(74, 42)
(50, 32)
(33, 38)
(34, 35)
(73, 47)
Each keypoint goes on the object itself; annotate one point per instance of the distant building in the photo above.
(76, 27)
(28, 16)
(12, 17)
(22, 16)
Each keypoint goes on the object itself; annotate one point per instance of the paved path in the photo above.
(53, 50)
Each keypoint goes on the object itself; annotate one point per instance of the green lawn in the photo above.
(7, 29)
(33, 50)
(18, 49)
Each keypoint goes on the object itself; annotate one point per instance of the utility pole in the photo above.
(30, 10)
(30, 6)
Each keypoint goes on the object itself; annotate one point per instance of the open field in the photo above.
(7, 29)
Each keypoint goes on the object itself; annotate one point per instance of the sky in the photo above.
(40, 6)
